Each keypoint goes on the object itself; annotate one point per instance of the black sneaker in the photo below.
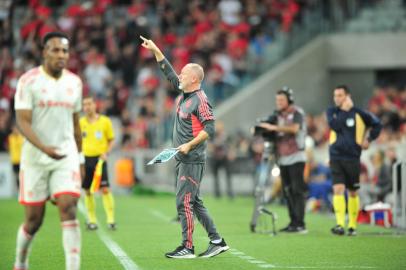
(112, 226)
(287, 228)
(352, 232)
(92, 226)
(214, 249)
(338, 230)
(297, 229)
(182, 252)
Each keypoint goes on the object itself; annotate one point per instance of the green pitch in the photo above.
(145, 233)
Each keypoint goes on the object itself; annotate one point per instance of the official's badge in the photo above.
(350, 122)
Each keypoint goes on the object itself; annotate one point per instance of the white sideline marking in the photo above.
(160, 215)
(250, 259)
(118, 252)
(263, 264)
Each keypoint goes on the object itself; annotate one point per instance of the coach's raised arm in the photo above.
(164, 64)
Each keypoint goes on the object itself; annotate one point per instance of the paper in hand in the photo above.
(164, 156)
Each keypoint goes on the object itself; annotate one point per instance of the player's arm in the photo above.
(77, 131)
(164, 64)
(24, 123)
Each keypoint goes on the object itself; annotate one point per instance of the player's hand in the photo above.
(148, 44)
(365, 144)
(184, 148)
(52, 152)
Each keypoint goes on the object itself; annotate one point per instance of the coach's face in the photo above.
(339, 96)
(186, 78)
(56, 54)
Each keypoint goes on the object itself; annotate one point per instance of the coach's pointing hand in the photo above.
(150, 45)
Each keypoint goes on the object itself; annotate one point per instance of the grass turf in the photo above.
(145, 233)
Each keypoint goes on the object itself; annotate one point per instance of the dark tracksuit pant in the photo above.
(189, 203)
(294, 189)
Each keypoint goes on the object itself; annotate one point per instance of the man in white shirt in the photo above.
(47, 104)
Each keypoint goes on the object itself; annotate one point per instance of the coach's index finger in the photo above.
(144, 39)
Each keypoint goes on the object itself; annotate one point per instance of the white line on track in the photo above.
(118, 252)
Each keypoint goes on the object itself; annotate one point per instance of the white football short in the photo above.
(38, 183)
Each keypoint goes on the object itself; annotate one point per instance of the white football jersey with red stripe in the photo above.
(53, 102)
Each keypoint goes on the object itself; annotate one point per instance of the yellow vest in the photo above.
(96, 135)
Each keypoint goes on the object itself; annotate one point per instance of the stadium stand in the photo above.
(234, 40)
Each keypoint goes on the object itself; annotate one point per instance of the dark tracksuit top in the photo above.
(193, 114)
(348, 131)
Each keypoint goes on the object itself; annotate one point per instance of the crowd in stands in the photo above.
(218, 34)
(105, 50)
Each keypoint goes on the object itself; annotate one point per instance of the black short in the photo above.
(16, 168)
(90, 165)
(346, 172)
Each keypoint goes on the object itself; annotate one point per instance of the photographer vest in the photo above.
(290, 147)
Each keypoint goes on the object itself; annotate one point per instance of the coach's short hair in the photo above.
(344, 87)
(198, 70)
(51, 35)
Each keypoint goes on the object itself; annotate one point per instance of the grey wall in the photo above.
(313, 71)
(366, 51)
(305, 72)
(353, 59)
(361, 83)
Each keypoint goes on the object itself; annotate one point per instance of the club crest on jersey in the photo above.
(183, 114)
(188, 103)
(350, 122)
